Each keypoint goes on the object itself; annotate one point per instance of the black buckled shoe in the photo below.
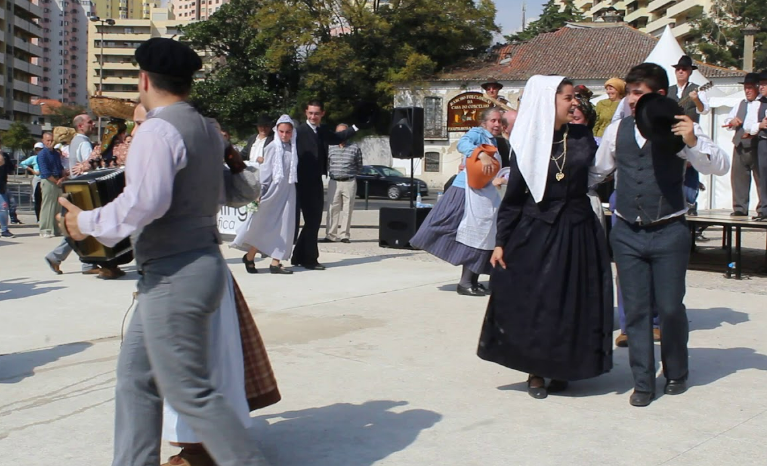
(536, 387)
(471, 291)
(738, 213)
(759, 218)
(675, 386)
(316, 266)
(557, 386)
(641, 399)
(250, 266)
(280, 270)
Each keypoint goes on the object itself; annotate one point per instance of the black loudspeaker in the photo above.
(406, 133)
(397, 225)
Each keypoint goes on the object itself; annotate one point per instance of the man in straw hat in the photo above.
(651, 240)
(169, 208)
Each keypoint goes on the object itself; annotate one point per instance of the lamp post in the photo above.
(110, 22)
(748, 47)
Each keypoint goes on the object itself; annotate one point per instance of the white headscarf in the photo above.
(277, 169)
(533, 132)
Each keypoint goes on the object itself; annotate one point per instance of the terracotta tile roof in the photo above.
(579, 53)
(47, 105)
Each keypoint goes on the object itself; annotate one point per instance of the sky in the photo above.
(509, 13)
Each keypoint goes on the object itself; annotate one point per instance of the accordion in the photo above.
(89, 191)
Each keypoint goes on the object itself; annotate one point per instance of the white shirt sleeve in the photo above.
(604, 162)
(731, 116)
(156, 154)
(620, 111)
(751, 123)
(706, 156)
(704, 100)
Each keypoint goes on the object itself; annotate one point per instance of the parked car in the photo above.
(387, 182)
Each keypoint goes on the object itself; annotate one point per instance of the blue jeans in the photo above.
(4, 210)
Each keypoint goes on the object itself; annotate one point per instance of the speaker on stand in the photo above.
(398, 225)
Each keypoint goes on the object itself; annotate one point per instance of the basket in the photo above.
(111, 107)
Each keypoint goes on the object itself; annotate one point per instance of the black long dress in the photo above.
(551, 310)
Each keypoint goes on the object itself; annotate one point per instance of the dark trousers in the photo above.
(761, 150)
(311, 202)
(652, 265)
(745, 163)
(38, 199)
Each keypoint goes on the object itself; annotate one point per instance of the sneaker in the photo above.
(16, 221)
(7, 234)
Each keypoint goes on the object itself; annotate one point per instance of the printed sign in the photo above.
(230, 219)
(465, 110)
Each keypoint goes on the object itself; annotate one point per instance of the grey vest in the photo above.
(740, 132)
(649, 179)
(689, 107)
(761, 116)
(74, 147)
(190, 222)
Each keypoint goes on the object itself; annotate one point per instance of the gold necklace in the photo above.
(561, 175)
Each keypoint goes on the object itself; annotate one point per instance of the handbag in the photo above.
(242, 188)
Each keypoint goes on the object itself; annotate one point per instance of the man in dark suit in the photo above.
(312, 143)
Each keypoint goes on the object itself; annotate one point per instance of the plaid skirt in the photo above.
(260, 384)
(437, 234)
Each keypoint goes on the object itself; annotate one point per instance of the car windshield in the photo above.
(390, 171)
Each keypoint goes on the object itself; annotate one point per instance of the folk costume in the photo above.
(651, 239)
(460, 229)
(551, 309)
(271, 229)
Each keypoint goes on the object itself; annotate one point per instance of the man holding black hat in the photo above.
(756, 124)
(651, 240)
(169, 208)
(745, 162)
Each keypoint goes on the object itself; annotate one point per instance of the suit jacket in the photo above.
(313, 150)
(249, 144)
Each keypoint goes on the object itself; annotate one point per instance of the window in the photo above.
(434, 127)
(431, 164)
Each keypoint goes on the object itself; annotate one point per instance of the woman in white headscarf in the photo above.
(271, 229)
(551, 309)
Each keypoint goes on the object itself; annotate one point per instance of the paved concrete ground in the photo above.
(375, 360)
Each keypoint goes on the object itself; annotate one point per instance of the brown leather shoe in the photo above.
(93, 271)
(622, 341)
(191, 457)
(110, 273)
(656, 334)
(55, 266)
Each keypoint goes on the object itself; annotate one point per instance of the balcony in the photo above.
(20, 107)
(683, 7)
(2, 13)
(682, 30)
(21, 86)
(36, 70)
(635, 15)
(32, 28)
(656, 27)
(35, 10)
(20, 64)
(36, 90)
(35, 50)
(658, 4)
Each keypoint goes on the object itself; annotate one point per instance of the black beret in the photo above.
(167, 57)
(655, 115)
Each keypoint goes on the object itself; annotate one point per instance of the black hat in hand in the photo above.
(655, 115)
(365, 114)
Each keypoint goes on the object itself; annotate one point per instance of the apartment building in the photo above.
(20, 57)
(650, 16)
(119, 43)
(195, 10)
(124, 9)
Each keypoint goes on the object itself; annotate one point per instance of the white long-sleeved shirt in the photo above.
(701, 95)
(753, 118)
(156, 154)
(706, 157)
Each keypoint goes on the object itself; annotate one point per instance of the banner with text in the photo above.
(230, 219)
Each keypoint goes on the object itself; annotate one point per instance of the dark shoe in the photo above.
(536, 387)
(675, 387)
(556, 386)
(472, 291)
(759, 218)
(326, 240)
(110, 273)
(7, 234)
(316, 266)
(482, 288)
(702, 239)
(250, 266)
(278, 269)
(656, 334)
(622, 341)
(738, 214)
(16, 221)
(346, 240)
(191, 457)
(93, 271)
(55, 266)
(641, 399)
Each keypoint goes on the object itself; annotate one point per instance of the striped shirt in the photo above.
(345, 162)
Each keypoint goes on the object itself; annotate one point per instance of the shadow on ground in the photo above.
(16, 367)
(16, 288)
(342, 434)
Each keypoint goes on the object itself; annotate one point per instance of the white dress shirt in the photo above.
(751, 122)
(256, 151)
(156, 154)
(701, 95)
(706, 157)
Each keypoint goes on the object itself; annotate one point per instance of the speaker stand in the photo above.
(412, 184)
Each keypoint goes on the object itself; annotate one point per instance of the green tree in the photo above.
(18, 137)
(551, 19)
(717, 35)
(64, 114)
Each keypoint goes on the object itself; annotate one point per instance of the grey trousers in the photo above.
(341, 195)
(761, 150)
(164, 354)
(652, 264)
(745, 163)
(49, 209)
(62, 251)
